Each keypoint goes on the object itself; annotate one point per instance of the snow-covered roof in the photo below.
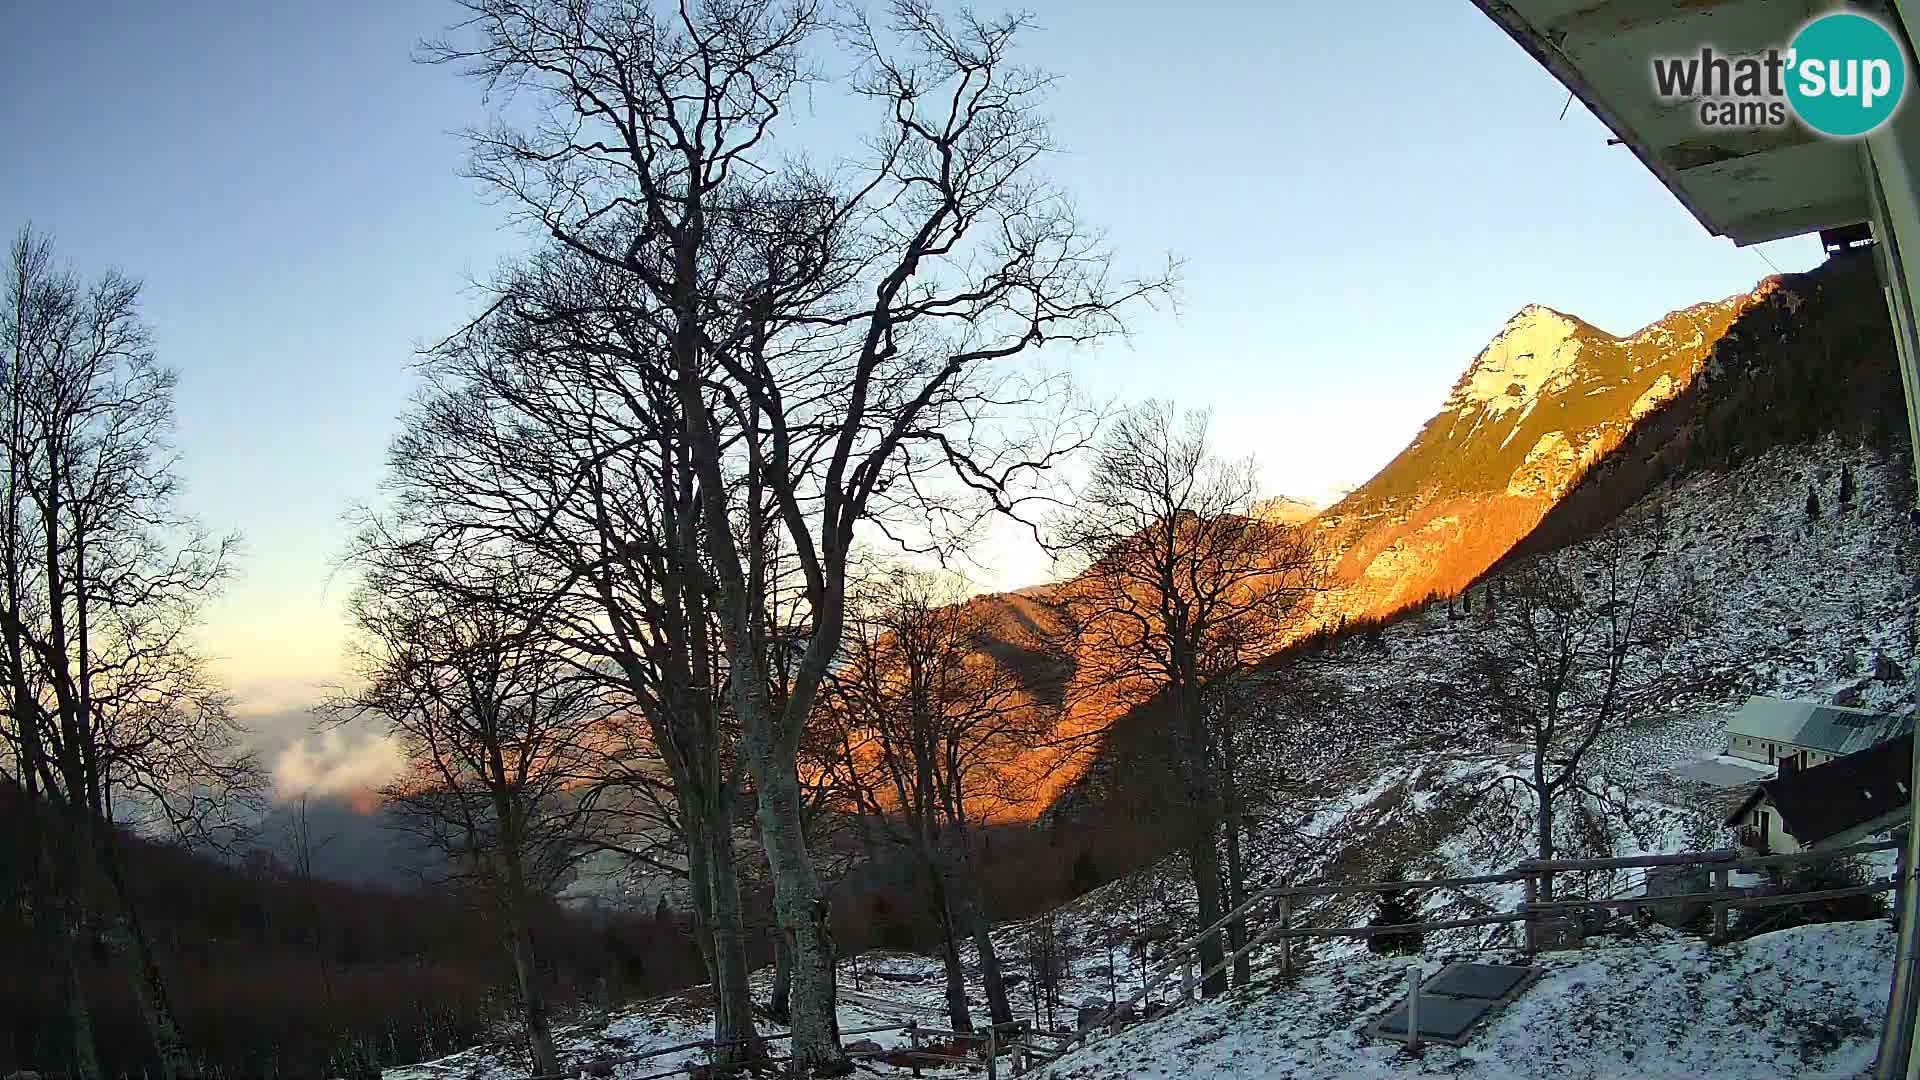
(1835, 729)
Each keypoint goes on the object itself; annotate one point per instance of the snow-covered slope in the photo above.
(1379, 772)
(1805, 1002)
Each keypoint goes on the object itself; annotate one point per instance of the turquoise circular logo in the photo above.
(1846, 74)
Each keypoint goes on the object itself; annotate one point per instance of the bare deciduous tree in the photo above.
(828, 339)
(1579, 646)
(109, 710)
(540, 434)
(1182, 588)
(302, 849)
(497, 731)
(934, 733)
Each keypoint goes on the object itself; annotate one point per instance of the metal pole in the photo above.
(1895, 1036)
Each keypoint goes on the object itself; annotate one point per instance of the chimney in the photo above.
(1789, 764)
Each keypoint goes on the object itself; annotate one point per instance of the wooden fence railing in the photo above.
(1028, 1047)
(1012, 1039)
(603, 1066)
(1537, 877)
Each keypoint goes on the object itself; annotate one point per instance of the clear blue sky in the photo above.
(1362, 195)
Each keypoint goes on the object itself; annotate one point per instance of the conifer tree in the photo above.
(1395, 908)
(1813, 503)
(1846, 487)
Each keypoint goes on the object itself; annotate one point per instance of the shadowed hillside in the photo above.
(276, 975)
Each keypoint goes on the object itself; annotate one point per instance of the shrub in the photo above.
(1819, 876)
(1394, 909)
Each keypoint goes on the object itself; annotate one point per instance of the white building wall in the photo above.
(1778, 841)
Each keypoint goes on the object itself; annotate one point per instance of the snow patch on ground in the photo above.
(1804, 1002)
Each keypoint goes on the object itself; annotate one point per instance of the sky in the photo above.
(1360, 195)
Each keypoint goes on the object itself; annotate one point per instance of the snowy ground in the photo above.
(650, 1025)
(1805, 1002)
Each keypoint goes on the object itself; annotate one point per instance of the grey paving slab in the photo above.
(1490, 982)
(1440, 1017)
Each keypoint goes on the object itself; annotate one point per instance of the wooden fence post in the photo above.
(1413, 1006)
(1186, 978)
(993, 1052)
(1286, 941)
(1533, 897)
(1720, 882)
(913, 1045)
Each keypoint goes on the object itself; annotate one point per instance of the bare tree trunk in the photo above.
(86, 1056)
(782, 1004)
(1236, 863)
(533, 1002)
(957, 1014)
(802, 912)
(143, 971)
(1236, 895)
(1543, 821)
(733, 996)
(693, 833)
(58, 914)
(941, 897)
(72, 944)
(1203, 848)
(706, 827)
(974, 922)
(1204, 853)
(1544, 839)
